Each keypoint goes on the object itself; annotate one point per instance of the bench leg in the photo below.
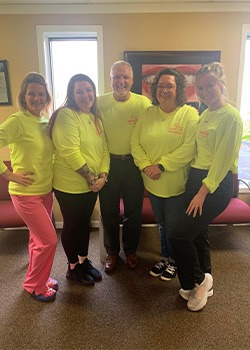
(101, 241)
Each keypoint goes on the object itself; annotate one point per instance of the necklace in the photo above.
(208, 118)
(165, 115)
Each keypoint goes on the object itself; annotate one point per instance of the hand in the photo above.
(24, 179)
(196, 204)
(152, 171)
(98, 185)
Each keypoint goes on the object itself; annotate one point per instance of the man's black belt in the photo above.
(121, 157)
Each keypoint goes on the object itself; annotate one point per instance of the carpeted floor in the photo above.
(130, 309)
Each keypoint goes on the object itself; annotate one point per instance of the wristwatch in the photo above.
(161, 167)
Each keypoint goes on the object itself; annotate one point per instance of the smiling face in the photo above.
(121, 79)
(210, 91)
(35, 98)
(166, 93)
(84, 96)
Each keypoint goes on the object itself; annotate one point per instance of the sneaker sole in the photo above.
(210, 293)
(90, 283)
(154, 274)
(199, 306)
(167, 278)
(95, 278)
(44, 299)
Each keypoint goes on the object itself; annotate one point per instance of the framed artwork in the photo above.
(5, 97)
(147, 63)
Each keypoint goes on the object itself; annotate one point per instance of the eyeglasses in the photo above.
(168, 87)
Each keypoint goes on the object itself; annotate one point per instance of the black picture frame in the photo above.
(188, 62)
(5, 95)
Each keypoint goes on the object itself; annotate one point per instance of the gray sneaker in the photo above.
(198, 295)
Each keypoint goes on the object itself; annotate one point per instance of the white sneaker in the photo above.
(185, 293)
(198, 295)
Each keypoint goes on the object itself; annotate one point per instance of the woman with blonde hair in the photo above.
(209, 186)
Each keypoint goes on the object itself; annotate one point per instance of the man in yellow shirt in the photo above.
(119, 112)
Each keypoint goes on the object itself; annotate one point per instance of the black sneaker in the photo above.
(80, 276)
(158, 269)
(169, 273)
(88, 268)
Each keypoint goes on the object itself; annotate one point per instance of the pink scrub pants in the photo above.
(36, 212)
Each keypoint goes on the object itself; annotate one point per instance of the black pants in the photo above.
(189, 238)
(76, 211)
(124, 179)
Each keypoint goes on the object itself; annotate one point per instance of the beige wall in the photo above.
(123, 32)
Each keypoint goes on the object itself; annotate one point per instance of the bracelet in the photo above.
(92, 181)
(104, 176)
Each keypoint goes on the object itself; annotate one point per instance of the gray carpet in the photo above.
(130, 309)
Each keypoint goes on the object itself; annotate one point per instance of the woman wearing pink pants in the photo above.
(30, 183)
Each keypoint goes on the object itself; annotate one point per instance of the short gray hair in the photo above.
(117, 63)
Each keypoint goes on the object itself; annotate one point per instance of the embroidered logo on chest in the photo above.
(176, 129)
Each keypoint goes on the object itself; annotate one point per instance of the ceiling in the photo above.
(122, 6)
(9, 2)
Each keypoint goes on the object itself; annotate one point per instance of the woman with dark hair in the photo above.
(30, 183)
(80, 171)
(209, 187)
(163, 146)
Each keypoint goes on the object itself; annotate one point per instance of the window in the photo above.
(243, 104)
(65, 51)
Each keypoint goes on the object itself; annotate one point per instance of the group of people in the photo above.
(116, 145)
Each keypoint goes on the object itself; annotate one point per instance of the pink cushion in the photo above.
(237, 212)
(9, 216)
(4, 194)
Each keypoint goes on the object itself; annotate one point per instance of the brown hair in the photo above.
(180, 86)
(30, 78)
(70, 101)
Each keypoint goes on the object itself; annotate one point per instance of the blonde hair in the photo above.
(217, 70)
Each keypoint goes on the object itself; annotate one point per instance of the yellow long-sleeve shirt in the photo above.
(77, 142)
(218, 139)
(31, 150)
(119, 118)
(167, 139)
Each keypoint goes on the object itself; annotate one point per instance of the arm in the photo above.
(227, 145)
(66, 139)
(11, 131)
(24, 179)
(183, 155)
(140, 157)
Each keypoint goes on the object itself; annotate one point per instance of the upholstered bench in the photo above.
(8, 215)
(237, 212)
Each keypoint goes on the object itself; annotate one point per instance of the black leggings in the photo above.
(189, 238)
(76, 211)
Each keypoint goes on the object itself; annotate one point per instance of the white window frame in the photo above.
(44, 33)
(244, 34)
